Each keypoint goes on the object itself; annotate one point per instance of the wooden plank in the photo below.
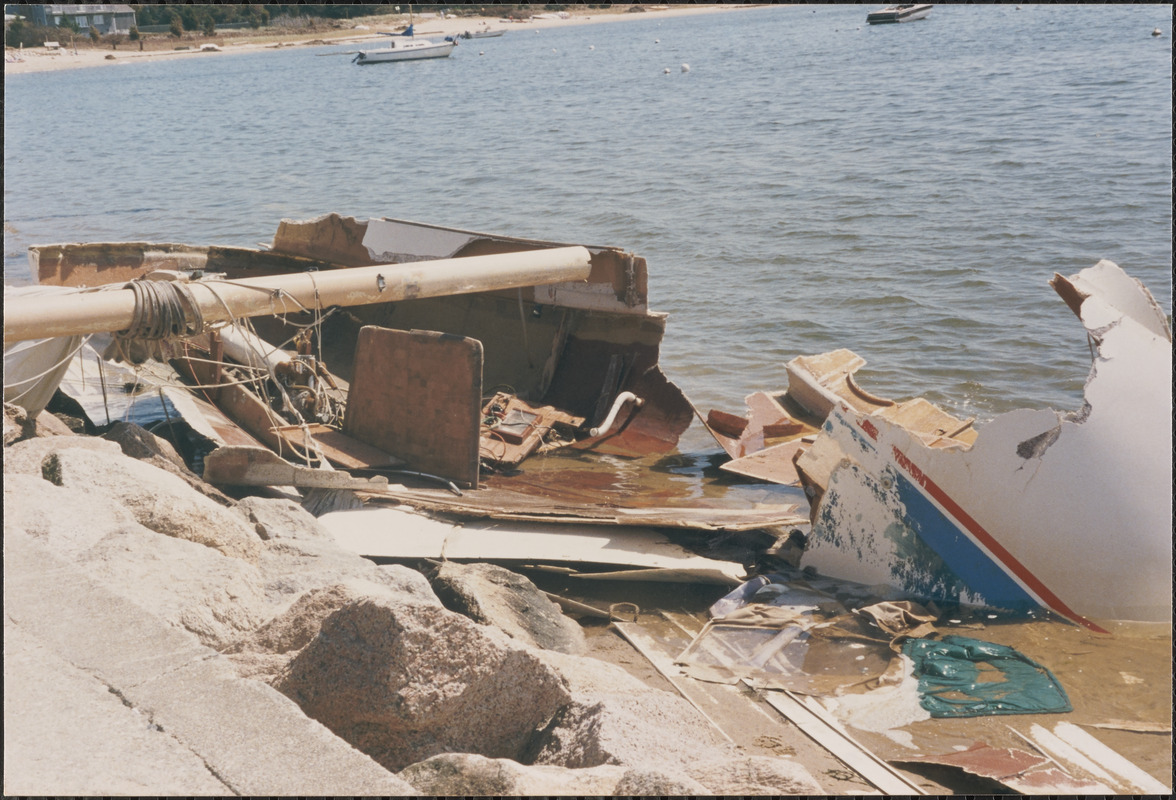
(418, 396)
(344, 451)
(256, 466)
(1128, 774)
(833, 737)
(773, 464)
(1054, 747)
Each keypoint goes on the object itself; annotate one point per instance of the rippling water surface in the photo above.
(810, 183)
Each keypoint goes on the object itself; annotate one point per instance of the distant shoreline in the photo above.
(39, 59)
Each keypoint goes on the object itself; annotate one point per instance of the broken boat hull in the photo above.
(1066, 512)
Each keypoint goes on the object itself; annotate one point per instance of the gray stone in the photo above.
(493, 595)
(159, 500)
(614, 718)
(67, 521)
(465, 774)
(68, 734)
(403, 681)
(755, 775)
(294, 566)
(16, 424)
(48, 424)
(646, 782)
(217, 598)
(251, 738)
(294, 628)
(281, 518)
(139, 443)
(259, 742)
(25, 457)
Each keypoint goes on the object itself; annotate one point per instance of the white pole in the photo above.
(49, 316)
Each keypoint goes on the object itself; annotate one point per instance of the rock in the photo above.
(645, 782)
(138, 442)
(49, 425)
(159, 500)
(295, 627)
(614, 718)
(294, 566)
(403, 681)
(466, 774)
(493, 595)
(755, 775)
(69, 735)
(281, 518)
(25, 457)
(190, 586)
(66, 521)
(16, 424)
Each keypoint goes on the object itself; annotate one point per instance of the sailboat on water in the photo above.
(405, 46)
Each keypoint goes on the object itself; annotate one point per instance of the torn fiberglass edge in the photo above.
(1070, 512)
(487, 376)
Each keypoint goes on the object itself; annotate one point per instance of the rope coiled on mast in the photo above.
(163, 310)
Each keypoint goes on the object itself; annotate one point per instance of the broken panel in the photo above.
(417, 395)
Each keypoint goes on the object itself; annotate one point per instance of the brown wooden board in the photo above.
(495, 503)
(417, 395)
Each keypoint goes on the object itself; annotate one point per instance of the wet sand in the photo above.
(40, 59)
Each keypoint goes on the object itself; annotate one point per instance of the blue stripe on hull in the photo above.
(986, 581)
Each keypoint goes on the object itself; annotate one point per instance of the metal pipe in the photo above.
(622, 398)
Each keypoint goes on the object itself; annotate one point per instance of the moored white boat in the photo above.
(409, 50)
(904, 12)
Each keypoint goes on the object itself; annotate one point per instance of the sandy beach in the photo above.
(40, 59)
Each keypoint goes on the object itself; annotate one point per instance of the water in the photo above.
(810, 183)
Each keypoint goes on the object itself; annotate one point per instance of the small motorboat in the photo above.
(905, 12)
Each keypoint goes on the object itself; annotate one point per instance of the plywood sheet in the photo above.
(417, 395)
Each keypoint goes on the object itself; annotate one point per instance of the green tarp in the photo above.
(961, 677)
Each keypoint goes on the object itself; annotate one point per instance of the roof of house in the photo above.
(89, 8)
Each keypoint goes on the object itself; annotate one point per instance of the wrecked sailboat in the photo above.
(451, 390)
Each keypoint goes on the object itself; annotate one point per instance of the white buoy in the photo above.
(481, 52)
(554, 50)
(591, 47)
(657, 41)
(666, 71)
(1157, 32)
(685, 67)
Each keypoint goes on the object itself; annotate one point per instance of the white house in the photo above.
(105, 18)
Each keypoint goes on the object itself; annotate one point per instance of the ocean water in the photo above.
(811, 182)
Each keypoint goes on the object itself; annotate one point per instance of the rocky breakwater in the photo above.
(163, 638)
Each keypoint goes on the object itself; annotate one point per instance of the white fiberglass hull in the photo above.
(404, 53)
